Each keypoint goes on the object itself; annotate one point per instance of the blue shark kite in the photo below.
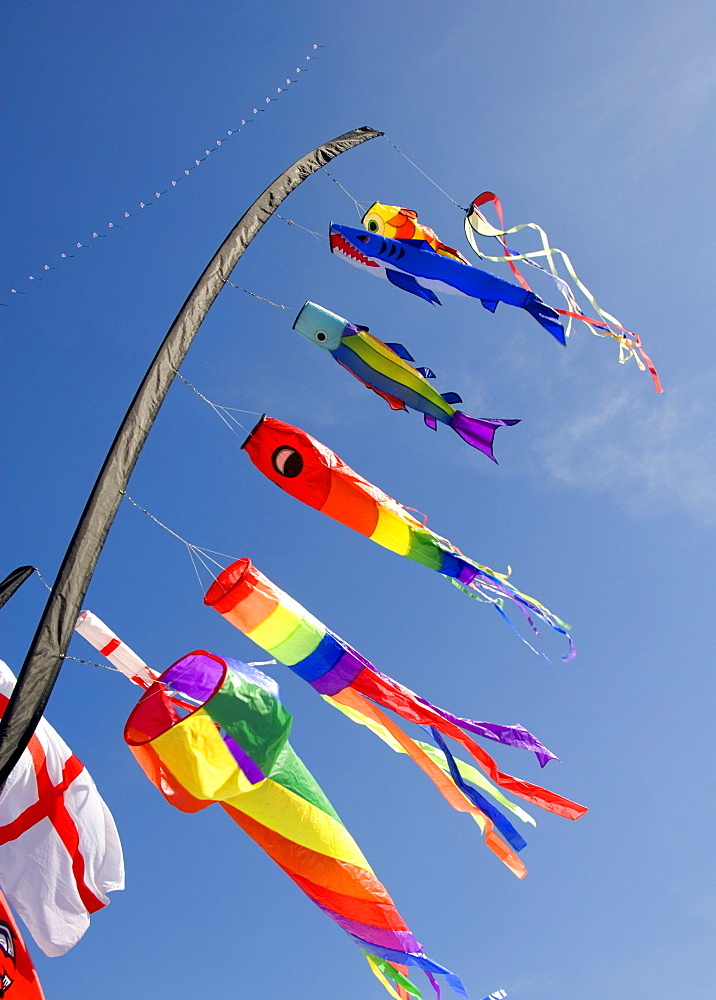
(385, 369)
(416, 267)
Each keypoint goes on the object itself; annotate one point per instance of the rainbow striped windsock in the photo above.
(233, 748)
(287, 631)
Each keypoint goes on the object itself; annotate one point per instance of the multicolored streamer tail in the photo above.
(277, 623)
(606, 326)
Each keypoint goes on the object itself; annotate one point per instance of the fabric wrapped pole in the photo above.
(13, 581)
(309, 471)
(54, 631)
(290, 633)
(233, 749)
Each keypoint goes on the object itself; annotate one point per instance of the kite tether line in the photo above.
(196, 552)
(54, 631)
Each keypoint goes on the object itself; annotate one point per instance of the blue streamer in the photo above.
(511, 835)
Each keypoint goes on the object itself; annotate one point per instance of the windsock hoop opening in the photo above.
(254, 429)
(230, 586)
(198, 675)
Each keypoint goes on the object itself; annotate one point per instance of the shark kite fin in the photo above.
(419, 245)
(408, 283)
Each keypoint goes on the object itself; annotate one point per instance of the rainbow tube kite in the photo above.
(277, 623)
(311, 472)
(254, 774)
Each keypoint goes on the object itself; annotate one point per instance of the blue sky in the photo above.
(593, 120)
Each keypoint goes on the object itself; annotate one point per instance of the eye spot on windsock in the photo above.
(363, 239)
(321, 336)
(287, 462)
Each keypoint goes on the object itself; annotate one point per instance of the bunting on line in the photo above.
(42, 272)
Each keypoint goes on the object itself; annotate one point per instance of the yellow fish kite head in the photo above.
(391, 221)
(397, 223)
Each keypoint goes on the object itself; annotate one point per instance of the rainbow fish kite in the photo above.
(232, 748)
(286, 630)
(416, 267)
(385, 369)
(312, 473)
(606, 326)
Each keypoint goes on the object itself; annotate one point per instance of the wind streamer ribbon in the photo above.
(607, 326)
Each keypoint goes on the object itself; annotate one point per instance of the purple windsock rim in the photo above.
(200, 676)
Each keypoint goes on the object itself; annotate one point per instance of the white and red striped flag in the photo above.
(59, 848)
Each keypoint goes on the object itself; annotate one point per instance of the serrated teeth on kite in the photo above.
(341, 245)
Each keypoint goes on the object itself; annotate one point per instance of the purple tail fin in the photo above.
(478, 433)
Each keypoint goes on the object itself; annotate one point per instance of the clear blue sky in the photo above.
(594, 119)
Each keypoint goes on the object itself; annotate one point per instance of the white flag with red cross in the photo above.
(59, 848)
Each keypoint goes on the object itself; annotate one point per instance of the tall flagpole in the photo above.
(44, 658)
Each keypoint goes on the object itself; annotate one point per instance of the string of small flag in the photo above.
(43, 272)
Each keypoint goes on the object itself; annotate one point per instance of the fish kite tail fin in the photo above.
(546, 316)
(479, 433)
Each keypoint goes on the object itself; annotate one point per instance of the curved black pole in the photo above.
(44, 659)
(13, 581)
